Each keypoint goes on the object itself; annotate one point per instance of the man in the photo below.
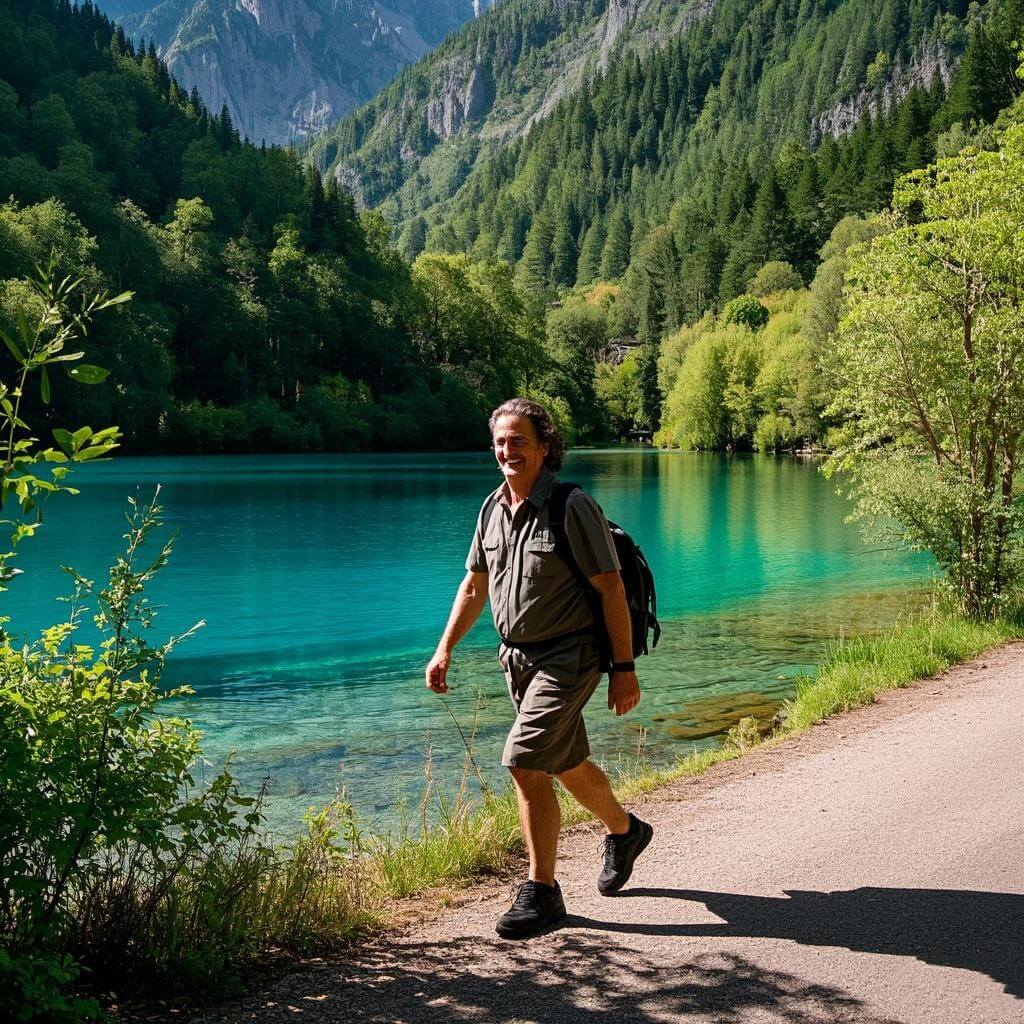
(550, 652)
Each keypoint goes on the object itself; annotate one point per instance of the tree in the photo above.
(774, 276)
(745, 310)
(657, 266)
(564, 254)
(576, 332)
(533, 275)
(928, 371)
(615, 255)
(588, 268)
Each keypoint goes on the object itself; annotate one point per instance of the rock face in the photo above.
(464, 94)
(288, 68)
(926, 63)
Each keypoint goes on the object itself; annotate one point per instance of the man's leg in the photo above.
(590, 786)
(540, 819)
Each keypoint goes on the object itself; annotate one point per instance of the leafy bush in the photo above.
(116, 867)
(746, 311)
(774, 433)
(775, 276)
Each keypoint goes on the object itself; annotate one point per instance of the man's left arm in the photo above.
(623, 687)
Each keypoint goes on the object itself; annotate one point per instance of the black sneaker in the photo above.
(537, 907)
(619, 854)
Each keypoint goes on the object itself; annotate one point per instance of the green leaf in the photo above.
(86, 373)
(95, 451)
(80, 436)
(116, 300)
(24, 331)
(64, 439)
(13, 346)
(68, 357)
(44, 385)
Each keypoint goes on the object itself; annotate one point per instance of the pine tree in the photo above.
(533, 274)
(589, 266)
(657, 267)
(227, 137)
(319, 227)
(564, 253)
(771, 226)
(807, 206)
(615, 254)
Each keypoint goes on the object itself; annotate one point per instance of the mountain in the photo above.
(287, 68)
(543, 109)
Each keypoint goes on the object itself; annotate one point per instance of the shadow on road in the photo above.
(566, 978)
(978, 931)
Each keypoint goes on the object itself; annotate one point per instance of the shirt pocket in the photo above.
(539, 557)
(493, 554)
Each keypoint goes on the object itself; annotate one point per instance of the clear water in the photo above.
(325, 581)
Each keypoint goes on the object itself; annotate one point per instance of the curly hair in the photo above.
(543, 426)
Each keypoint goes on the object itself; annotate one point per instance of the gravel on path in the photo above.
(868, 871)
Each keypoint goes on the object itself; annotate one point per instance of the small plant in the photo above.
(36, 347)
(744, 735)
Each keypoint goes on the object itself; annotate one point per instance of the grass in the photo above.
(335, 883)
(857, 669)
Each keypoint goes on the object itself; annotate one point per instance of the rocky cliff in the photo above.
(288, 68)
(930, 59)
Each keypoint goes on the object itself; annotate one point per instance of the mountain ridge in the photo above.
(289, 68)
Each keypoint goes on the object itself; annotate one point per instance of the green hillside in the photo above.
(267, 314)
(678, 86)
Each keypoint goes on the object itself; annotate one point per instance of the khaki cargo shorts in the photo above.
(549, 687)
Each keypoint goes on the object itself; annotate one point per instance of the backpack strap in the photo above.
(556, 522)
(486, 513)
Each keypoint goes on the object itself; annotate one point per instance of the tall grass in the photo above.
(857, 669)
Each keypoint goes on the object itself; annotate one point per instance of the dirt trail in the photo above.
(869, 871)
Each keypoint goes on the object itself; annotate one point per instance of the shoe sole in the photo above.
(644, 843)
(549, 926)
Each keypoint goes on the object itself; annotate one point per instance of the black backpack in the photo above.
(637, 577)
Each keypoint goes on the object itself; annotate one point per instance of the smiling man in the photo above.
(551, 651)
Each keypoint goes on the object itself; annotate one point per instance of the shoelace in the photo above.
(525, 895)
(611, 853)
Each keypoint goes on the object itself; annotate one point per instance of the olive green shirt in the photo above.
(533, 592)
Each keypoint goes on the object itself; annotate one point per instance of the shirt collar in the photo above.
(542, 488)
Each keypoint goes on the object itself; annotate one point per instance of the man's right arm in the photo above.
(466, 608)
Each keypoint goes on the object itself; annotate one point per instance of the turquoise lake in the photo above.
(326, 580)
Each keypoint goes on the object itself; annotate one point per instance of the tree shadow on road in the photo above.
(977, 931)
(564, 978)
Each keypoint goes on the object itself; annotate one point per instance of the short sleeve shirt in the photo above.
(534, 594)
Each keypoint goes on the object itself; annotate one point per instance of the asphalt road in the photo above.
(867, 872)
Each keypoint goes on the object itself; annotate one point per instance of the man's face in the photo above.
(520, 456)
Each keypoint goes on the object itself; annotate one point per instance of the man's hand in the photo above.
(437, 672)
(623, 692)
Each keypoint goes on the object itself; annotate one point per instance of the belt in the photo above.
(536, 645)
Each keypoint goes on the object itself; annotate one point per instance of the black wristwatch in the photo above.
(623, 666)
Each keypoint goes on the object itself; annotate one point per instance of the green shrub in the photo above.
(747, 311)
(775, 276)
(773, 433)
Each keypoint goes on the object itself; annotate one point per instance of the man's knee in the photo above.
(529, 779)
(584, 770)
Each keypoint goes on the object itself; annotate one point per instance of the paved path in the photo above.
(870, 871)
